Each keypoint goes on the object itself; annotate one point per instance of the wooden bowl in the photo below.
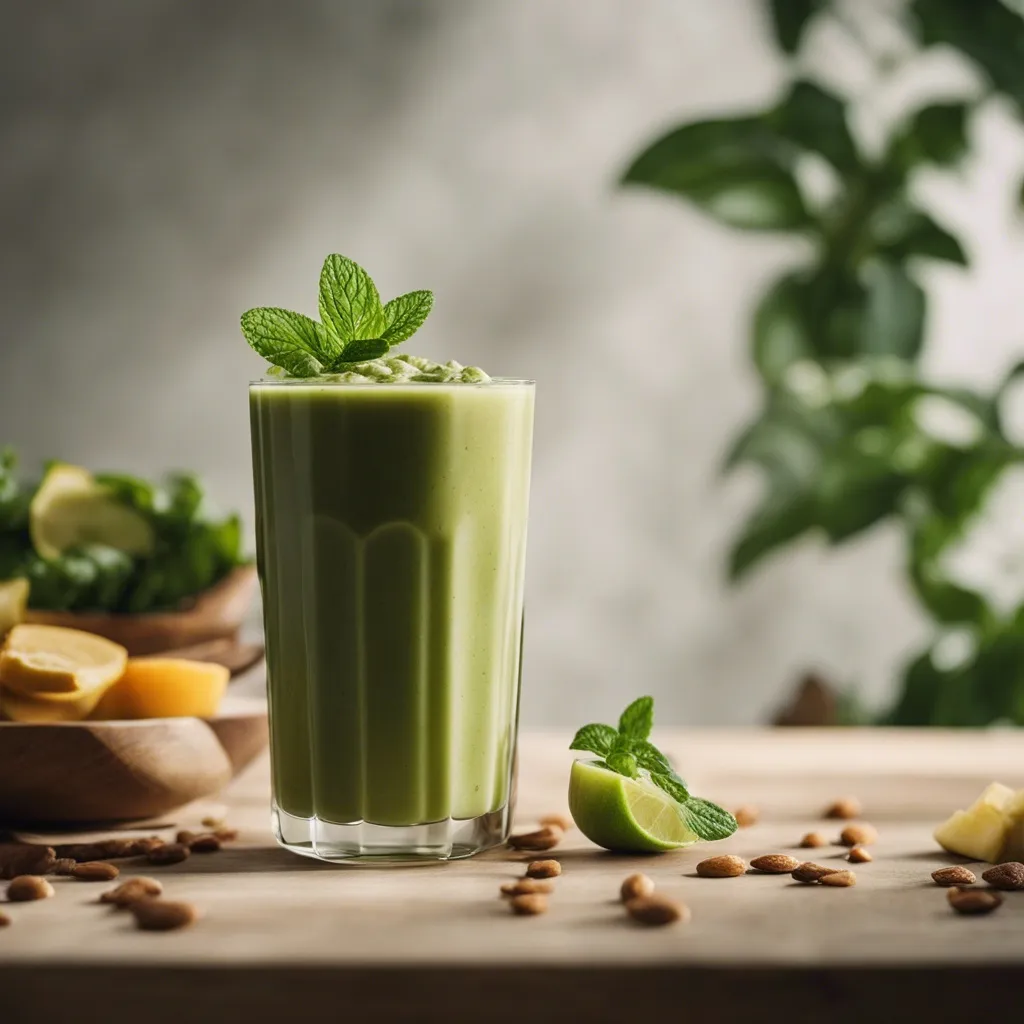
(215, 614)
(78, 772)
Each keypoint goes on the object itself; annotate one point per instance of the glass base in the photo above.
(361, 842)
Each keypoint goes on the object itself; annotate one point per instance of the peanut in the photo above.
(546, 838)
(526, 887)
(94, 871)
(636, 887)
(858, 855)
(529, 904)
(126, 893)
(562, 821)
(723, 866)
(811, 872)
(746, 815)
(840, 879)
(775, 864)
(813, 839)
(169, 853)
(858, 835)
(29, 887)
(847, 807)
(544, 869)
(656, 909)
(1008, 876)
(156, 915)
(25, 859)
(974, 901)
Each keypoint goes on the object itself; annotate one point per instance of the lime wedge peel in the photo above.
(625, 815)
(71, 509)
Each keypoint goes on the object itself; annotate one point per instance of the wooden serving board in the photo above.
(283, 936)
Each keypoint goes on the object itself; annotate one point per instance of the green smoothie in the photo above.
(391, 539)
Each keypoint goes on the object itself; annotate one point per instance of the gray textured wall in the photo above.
(169, 163)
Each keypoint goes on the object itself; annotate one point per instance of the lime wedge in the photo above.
(13, 598)
(626, 815)
(71, 508)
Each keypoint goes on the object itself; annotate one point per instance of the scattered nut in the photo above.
(746, 815)
(94, 871)
(185, 837)
(104, 849)
(29, 887)
(226, 835)
(126, 893)
(147, 845)
(1008, 876)
(858, 855)
(543, 839)
(169, 853)
(811, 872)
(775, 864)
(956, 875)
(207, 843)
(4, 920)
(25, 859)
(813, 839)
(635, 887)
(155, 915)
(526, 887)
(656, 909)
(562, 821)
(544, 869)
(974, 901)
(840, 879)
(63, 866)
(846, 808)
(211, 822)
(858, 835)
(724, 866)
(529, 904)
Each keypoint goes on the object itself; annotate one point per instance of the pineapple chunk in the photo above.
(981, 831)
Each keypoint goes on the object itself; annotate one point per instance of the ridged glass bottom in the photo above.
(362, 842)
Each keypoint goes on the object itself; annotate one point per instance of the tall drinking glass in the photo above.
(391, 541)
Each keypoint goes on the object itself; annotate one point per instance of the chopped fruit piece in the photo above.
(13, 598)
(981, 832)
(165, 688)
(58, 663)
(47, 709)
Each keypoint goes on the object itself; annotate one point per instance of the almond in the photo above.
(974, 901)
(723, 866)
(845, 808)
(526, 887)
(634, 887)
(155, 915)
(746, 815)
(858, 835)
(206, 843)
(25, 859)
(104, 849)
(840, 879)
(656, 909)
(529, 904)
(4, 920)
(1008, 876)
(811, 872)
(185, 837)
(29, 887)
(63, 866)
(544, 869)
(775, 864)
(813, 839)
(546, 838)
(94, 871)
(134, 889)
(956, 875)
(562, 821)
(858, 855)
(168, 853)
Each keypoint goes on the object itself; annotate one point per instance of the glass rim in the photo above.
(316, 382)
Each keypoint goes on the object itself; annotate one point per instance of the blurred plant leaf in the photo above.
(934, 134)
(900, 230)
(815, 120)
(894, 315)
(790, 19)
(781, 331)
(855, 491)
(736, 170)
(777, 522)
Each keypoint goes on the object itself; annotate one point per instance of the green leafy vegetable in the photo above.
(354, 327)
(627, 751)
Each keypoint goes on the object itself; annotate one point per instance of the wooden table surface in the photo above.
(283, 936)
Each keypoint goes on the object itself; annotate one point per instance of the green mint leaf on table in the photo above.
(289, 340)
(598, 739)
(349, 304)
(637, 720)
(404, 316)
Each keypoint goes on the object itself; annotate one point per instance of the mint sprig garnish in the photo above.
(628, 751)
(354, 326)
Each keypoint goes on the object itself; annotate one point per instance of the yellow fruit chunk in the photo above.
(58, 662)
(13, 598)
(165, 688)
(46, 709)
(981, 831)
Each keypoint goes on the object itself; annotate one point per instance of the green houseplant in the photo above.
(842, 440)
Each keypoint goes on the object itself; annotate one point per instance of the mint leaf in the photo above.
(349, 304)
(404, 316)
(708, 820)
(596, 738)
(360, 350)
(622, 762)
(650, 757)
(289, 340)
(671, 784)
(637, 719)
